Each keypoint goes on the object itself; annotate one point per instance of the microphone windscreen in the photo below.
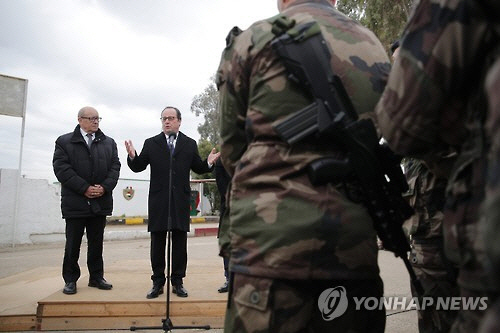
(171, 137)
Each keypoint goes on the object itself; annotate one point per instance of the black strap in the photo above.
(307, 59)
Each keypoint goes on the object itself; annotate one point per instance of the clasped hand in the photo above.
(94, 191)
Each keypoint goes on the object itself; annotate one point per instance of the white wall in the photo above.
(39, 208)
(138, 204)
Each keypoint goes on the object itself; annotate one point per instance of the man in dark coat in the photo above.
(156, 153)
(87, 165)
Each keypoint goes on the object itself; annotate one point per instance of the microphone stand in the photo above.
(167, 325)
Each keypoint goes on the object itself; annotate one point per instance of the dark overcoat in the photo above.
(156, 154)
(77, 167)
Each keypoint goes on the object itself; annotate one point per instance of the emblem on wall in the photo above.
(128, 192)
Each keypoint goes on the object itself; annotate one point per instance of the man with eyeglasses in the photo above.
(86, 164)
(157, 152)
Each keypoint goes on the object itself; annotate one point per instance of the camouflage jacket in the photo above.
(424, 107)
(426, 196)
(280, 225)
(434, 102)
(491, 221)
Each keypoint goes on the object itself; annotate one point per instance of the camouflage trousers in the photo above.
(469, 320)
(260, 305)
(491, 320)
(438, 279)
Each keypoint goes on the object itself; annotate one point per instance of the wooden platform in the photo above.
(126, 304)
(53, 316)
(33, 300)
(12, 323)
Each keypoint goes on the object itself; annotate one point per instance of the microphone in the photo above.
(170, 142)
(171, 139)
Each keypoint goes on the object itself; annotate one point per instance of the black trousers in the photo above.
(225, 262)
(178, 256)
(75, 227)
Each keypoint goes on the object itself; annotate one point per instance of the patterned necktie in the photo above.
(89, 142)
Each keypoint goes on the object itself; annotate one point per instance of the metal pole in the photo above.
(18, 180)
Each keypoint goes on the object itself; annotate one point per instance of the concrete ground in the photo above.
(31, 273)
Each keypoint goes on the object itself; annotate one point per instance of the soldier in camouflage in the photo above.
(289, 240)
(434, 102)
(491, 221)
(424, 229)
(425, 233)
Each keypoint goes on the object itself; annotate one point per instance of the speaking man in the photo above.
(157, 152)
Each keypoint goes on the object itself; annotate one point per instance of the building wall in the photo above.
(38, 209)
(137, 205)
(39, 218)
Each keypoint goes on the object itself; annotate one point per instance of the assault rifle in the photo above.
(372, 168)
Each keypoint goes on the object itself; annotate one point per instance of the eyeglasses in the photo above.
(92, 119)
(170, 118)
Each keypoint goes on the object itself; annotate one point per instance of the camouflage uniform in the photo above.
(283, 231)
(491, 221)
(435, 272)
(434, 101)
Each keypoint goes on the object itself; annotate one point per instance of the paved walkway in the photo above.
(29, 274)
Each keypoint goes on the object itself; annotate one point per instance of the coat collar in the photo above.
(77, 135)
(161, 140)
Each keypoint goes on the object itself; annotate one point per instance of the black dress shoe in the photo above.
(224, 288)
(69, 288)
(155, 291)
(101, 284)
(180, 290)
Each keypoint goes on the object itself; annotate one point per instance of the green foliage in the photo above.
(386, 18)
(209, 189)
(205, 147)
(206, 104)
(211, 192)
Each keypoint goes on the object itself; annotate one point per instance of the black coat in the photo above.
(155, 152)
(222, 179)
(77, 167)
